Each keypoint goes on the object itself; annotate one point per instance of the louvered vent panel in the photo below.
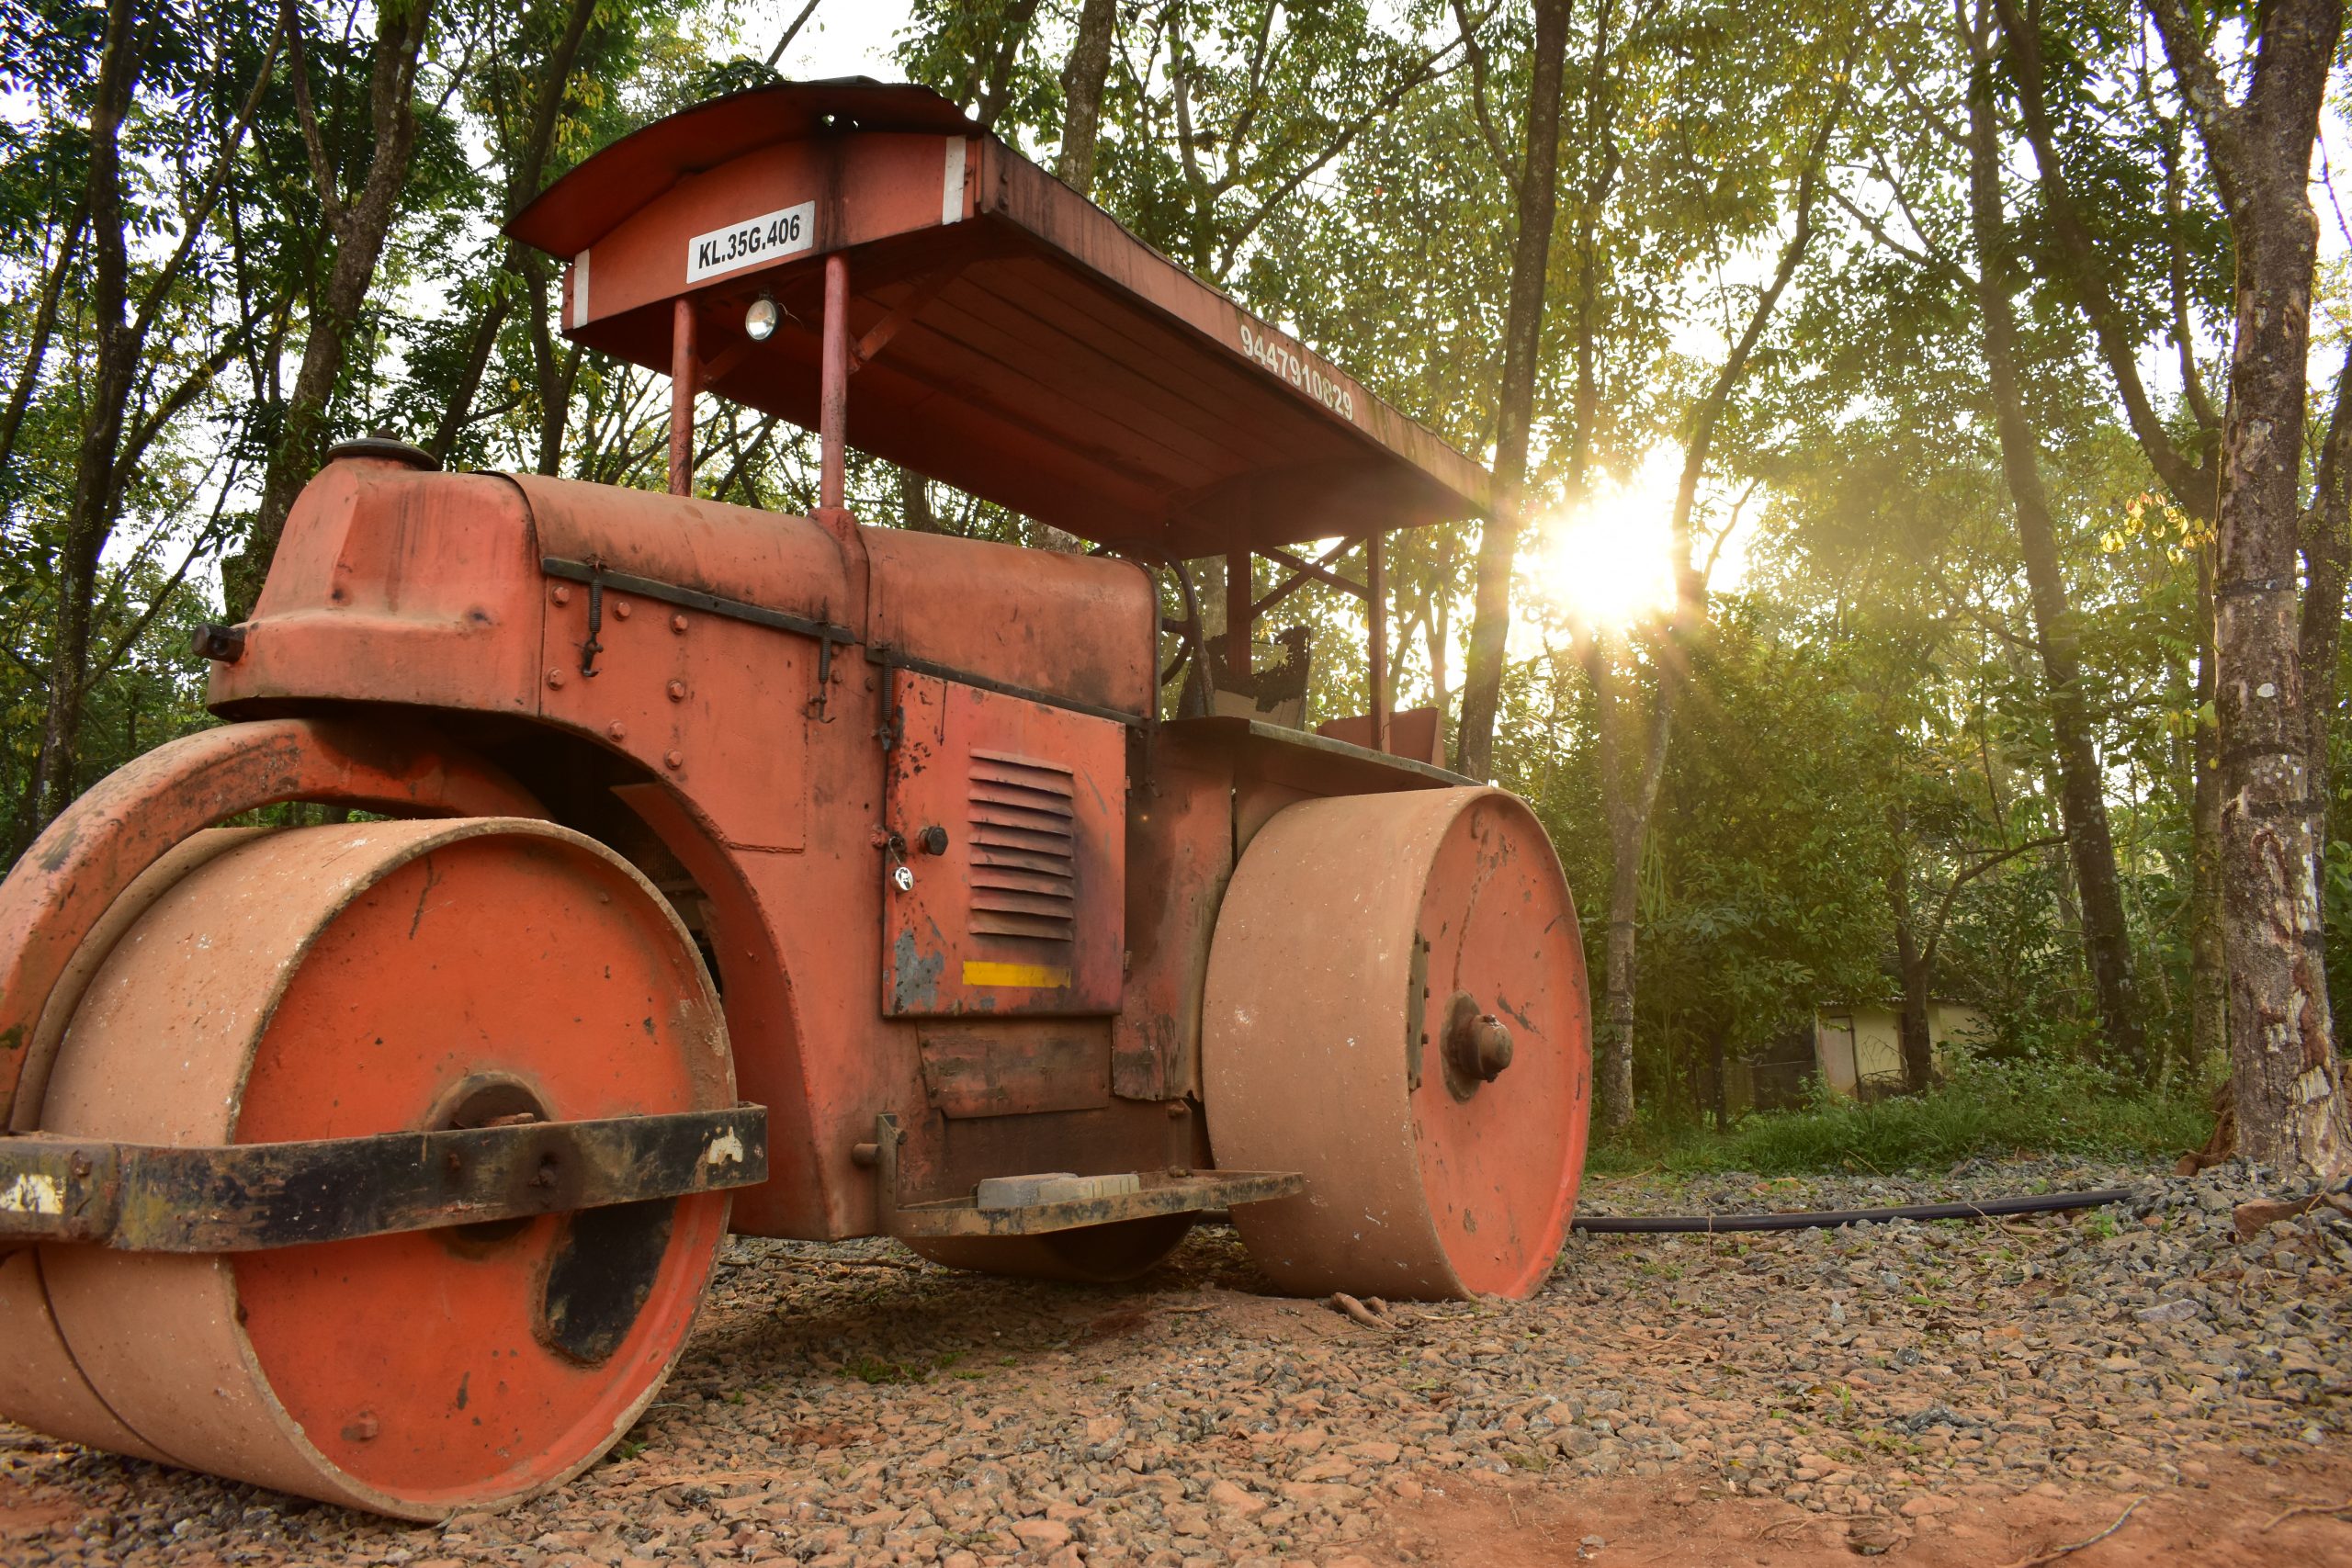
(1025, 847)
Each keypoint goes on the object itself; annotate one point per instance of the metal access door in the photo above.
(1008, 825)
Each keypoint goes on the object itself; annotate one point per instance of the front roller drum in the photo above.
(1396, 1005)
(361, 979)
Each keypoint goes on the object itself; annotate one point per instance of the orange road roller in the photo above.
(687, 867)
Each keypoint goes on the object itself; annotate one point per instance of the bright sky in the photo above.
(845, 38)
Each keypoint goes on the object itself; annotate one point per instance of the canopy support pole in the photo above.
(1376, 574)
(681, 397)
(1239, 616)
(832, 408)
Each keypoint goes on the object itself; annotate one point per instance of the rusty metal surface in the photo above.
(1160, 1192)
(332, 983)
(994, 1069)
(41, 1385)
(1334, 980)
(1180, 852)
(1322, 764)
(719, 708)
(1160, 1195)
(722, 716)
(759, 773)
(66, 994)
(1021, 912)
(786, 564)
(1417, 734)
(750, 902)
(252, 1197)
(1069, 626)
(39, 1379)
(1022, 345)
(606, 580)
(61, 888)
(393, 585)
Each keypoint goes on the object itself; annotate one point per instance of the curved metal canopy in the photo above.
(1010, 338)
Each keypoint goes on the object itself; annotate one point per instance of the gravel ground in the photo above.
(1747, 1398)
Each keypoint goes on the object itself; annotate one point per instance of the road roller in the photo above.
(658, 867)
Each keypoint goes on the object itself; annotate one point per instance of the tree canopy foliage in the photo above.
(1895, 340)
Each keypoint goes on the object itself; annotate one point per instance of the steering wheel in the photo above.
(1192, 635)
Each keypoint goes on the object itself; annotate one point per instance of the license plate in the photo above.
(755, 240)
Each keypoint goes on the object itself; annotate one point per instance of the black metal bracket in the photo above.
(891, 659)
(252, 1197)
(592, 647)
(821, 702)
(594, 572)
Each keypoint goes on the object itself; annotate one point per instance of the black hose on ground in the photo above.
(1829, 1219)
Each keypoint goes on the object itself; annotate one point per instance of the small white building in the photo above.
(1858, 1049)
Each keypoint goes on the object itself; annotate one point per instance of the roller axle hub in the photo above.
(1477, 1048)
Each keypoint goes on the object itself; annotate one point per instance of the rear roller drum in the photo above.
(1396, 1006)
(340, 981)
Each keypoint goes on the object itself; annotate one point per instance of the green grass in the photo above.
(1985, 1110)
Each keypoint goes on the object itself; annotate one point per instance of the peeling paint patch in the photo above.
(725, 1149)
(33, 1194)
(914, 974)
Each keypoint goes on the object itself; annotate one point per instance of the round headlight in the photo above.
(760, 319)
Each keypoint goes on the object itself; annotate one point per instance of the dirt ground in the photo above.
(1982, 1393)
(2228, 1519)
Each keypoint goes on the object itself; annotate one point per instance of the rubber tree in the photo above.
(2082, 799)
(1083, 76)
(2087, 253)
(2285, 1077)
(1536, 196)
(124, 304)
(358, 221)
(1631, 742)
(534, 109)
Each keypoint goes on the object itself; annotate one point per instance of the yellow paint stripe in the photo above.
(1036, 976)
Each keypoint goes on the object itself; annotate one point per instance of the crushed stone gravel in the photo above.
(851, 1404)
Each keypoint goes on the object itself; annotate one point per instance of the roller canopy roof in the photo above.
(1010, 338)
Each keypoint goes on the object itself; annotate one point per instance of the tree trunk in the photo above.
(2325, 541)
(460, 413)
(1630, 768)
(1614, 1082)
(1482, 675)
(2107, 941)
(915, 510)
(996, 71)
(2285, 1078)
(20, 398)
(1600, 133)
(90, 517)
(360, 231)
(1911, 965)
(1082, 78)
(1723, 1089)
(2209, 979)
(555, 368)
(525, 175)
(1629, 784)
